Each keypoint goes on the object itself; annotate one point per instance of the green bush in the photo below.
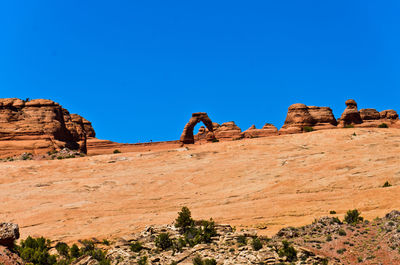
(116, 151)
(332, 212)
(36, 251)
(387, 184)
(256, 244)
(142, 260)
(163, 241)
(288, 251)
(199, 261)
(184, 219)
(353, 217)
(342, 232)
(308, 129)
(349, 126)
(74, 251)
(383, 125)
(62, 249)
(241, 240)
(136, 246)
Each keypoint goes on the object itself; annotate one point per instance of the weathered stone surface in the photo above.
(267, 130)
(369, 114)
(300, 116)
(8, 233)
(187, 136)
(42, 124)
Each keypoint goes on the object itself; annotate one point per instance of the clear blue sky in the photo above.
(138, 69)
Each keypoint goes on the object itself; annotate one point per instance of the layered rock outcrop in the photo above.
(40, 124)
(267, 130)
(9, 232)
(300, 116)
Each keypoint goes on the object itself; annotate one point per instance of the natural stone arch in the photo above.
(187, 134)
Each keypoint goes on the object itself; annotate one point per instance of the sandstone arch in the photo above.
(187, 134)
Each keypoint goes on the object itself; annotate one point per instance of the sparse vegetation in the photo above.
(241, 240)
(288, 251)
(199, 261)
(136, 246)
(349, 126)
(383, 125)
(116, 151)
(353, 217)
(387, 184)
(332, 212)
(341, 232)
(256, 244)
(308, 129)
(142, 260)
(163, 241)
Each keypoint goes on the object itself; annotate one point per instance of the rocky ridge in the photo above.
(39, 126)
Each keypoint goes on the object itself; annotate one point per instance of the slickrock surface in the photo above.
(269, 182)
(38, 126)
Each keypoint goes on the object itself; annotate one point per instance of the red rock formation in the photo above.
(187, 134)
(300, 116)
(369, 114)
(228, 130)
(351, 115)
(267, 130)
(39, 124)
(389, 114)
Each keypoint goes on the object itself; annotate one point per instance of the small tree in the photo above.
(256, 244)
(184, 219)
(163, 241)
(353, 217)
(288, 251)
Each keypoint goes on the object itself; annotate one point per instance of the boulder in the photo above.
(267, 130)
(9, 232)
(351, 115)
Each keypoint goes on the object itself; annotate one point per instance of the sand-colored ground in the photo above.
(266, 182)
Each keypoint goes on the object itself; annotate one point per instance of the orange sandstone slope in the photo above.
(269, 182)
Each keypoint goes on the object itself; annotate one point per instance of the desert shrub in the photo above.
(106, 242)
(256, 244)
(288, 251)
(163, 241)
(349, 126)
(116, 151)
(353, 217)
(241, 240)
(342, 232)
(215, 140)
(199, 261)
(36, 251)
(184, 219)
(62, 249)
(341, 251)
(308, 129)
(387, 184)
(136, 246)
(332, 212)
(383, 125)
(328, 238)
(74, 251)
(142, 260)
